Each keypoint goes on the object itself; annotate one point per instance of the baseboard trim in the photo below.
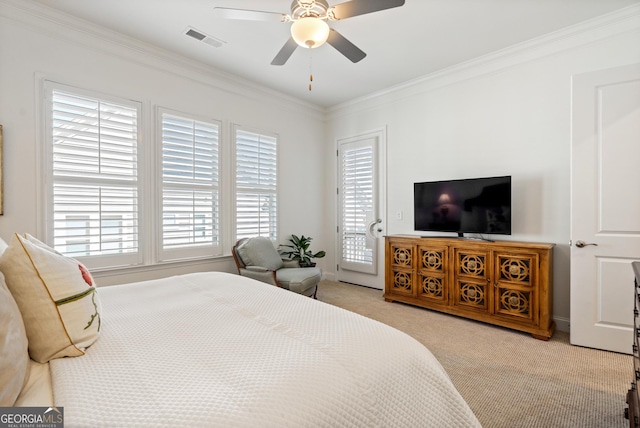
(330, 276)
(562, 324)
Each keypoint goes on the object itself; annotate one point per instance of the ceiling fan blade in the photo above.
(285, 52)
(360, 7)
(344, 46)
(249, 15)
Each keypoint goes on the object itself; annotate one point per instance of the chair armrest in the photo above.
(290, 263)
(260, 274)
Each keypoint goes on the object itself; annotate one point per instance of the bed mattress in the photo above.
(215, 349)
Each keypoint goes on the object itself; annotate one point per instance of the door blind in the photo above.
(190, 182)
(256, 185)
(95, 175)
(357, 201)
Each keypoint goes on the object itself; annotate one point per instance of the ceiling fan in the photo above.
(310, 28)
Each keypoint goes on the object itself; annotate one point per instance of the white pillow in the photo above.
(14, 356)
(56, 296)
(3, 246)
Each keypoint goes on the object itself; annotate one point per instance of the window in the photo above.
(114, 199)
(93, 159)
(256, 184)
(190, 184)
(357, 202)
(78, 242)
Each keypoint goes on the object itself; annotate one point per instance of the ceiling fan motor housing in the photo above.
(313, 8)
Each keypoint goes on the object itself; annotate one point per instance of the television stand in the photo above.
(503, 283)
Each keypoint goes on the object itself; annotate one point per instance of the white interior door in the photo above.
(360, 210)
(605, 206)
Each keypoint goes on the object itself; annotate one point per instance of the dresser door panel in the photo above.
(432, 275)
(402, 269)
(471, 279)
(515, 286)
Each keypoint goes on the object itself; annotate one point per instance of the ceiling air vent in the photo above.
(205, 38)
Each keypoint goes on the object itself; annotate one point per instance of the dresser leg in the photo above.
(539, 337)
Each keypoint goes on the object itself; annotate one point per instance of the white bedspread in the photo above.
(219, 350)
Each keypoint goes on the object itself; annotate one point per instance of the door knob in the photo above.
(581, 244)
(372, 225)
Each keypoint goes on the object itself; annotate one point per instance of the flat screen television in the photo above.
(477, 205)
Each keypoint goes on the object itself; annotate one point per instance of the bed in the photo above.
(216, 349)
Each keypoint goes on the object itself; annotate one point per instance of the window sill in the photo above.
(119, 275)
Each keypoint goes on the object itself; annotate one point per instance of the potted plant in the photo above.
(298, 249)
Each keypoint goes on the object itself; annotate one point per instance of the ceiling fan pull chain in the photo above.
(310, 71)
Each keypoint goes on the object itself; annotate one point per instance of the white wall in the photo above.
(505, 114)
(36, 46)
(508, 113)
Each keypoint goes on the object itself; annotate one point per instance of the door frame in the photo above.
(369, 280)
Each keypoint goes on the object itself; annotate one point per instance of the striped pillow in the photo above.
(56, 296)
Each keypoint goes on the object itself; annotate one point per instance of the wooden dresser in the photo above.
(633, 398)
(504, 283)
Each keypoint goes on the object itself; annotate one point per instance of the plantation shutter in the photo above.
(357, 203)
(190, 183)
(94, 161)
(256, 185)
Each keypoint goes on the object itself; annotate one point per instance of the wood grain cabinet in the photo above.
(504, 283)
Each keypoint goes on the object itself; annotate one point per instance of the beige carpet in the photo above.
(508, 378)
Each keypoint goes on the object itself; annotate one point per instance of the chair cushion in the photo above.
(299, 280)
(259, 251)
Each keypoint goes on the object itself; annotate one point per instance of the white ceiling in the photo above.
(402, 44)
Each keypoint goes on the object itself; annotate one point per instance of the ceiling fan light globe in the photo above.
(310, 32)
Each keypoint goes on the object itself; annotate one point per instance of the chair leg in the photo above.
(315, 292)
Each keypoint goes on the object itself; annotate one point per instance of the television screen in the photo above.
(479, 205)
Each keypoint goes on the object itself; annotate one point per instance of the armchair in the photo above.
(258, 259)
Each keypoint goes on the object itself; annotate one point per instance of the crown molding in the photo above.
(591, 31)
(53, 23)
